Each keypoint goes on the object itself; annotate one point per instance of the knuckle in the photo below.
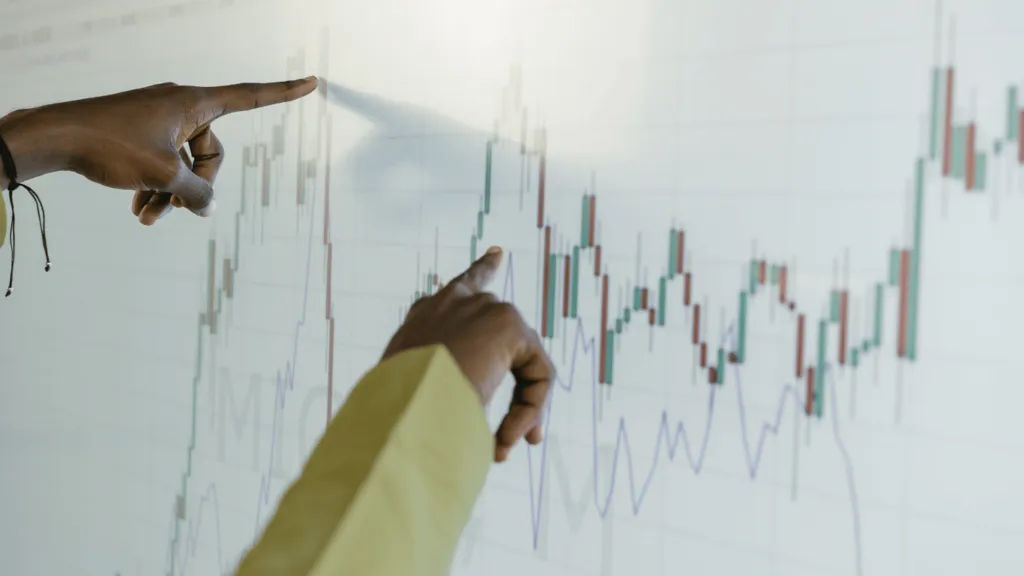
(212, 105)
(459, 287)
(484, 298)
(190, 100)
(253, 93)
(216, 146)
(465, 279)
(506, 312)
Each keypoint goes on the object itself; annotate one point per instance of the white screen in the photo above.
(162, 386)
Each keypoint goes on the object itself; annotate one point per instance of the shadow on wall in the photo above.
(413, 154)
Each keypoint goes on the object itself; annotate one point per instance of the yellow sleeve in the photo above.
(391, 484)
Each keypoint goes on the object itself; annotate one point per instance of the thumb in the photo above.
(194, 192)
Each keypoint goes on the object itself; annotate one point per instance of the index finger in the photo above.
(480, 273)
(252, 95)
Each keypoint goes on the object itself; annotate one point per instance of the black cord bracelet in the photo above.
(12, 175)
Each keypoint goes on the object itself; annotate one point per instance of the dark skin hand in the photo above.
(488, 339)
(135, 140)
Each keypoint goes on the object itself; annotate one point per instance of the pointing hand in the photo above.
(488, 339)
(135, 140)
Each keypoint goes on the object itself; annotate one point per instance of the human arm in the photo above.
(39, 152)
(35, 144)
(390, 486)
(135, 140)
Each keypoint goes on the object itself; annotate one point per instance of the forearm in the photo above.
(391, 484)
(37, 146)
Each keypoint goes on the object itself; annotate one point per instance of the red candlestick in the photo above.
(696, 324)
(1020, 139)
(591, 220)
(680, 246)
(547, 280)
(947, 153)
(566, 284)
(809, 396)
(782, 285)
(901, 344)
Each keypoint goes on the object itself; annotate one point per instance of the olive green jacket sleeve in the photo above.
(391, 484)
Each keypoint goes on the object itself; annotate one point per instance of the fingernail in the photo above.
(494, 250)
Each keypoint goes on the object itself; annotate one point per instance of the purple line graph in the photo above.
(667, 442)
(672, 440)
(192, 534)
(669, 438)
(284, 384)
(285, 381)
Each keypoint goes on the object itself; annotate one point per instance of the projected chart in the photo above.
(779, 290)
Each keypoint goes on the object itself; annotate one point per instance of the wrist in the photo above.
(34, 142)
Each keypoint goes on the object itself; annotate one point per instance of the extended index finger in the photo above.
(479, 274)
(252, 95)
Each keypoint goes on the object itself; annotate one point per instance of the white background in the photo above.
(784, 129)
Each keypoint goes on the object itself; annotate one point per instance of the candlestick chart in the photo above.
(804, 370)
(823, 344)
(592, 330)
